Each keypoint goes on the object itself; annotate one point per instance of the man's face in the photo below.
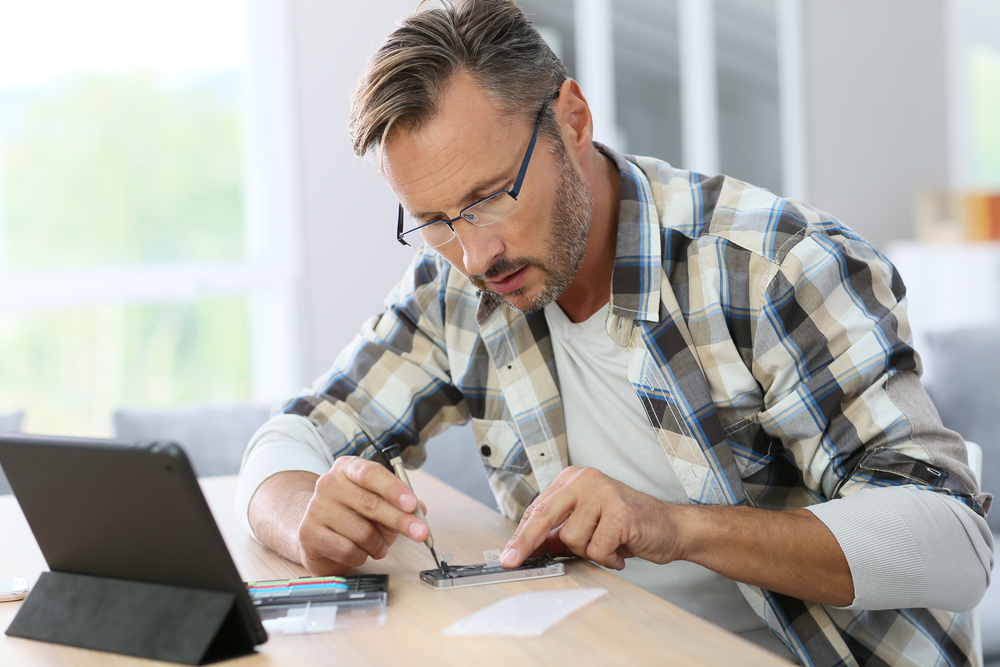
(467, 151)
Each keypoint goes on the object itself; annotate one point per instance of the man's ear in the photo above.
(575, 122)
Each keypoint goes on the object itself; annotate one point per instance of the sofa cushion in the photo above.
(214, 437)
(9, 423)
(989, 615)
(965, 387)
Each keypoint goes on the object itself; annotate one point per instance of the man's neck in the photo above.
(591, 288)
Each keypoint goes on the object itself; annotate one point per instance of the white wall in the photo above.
(351, 255)
(876, 109)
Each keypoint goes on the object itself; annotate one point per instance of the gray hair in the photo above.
(492, 40)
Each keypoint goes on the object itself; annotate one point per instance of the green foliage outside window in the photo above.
(70, 369)
(120, 169)
(105, 169)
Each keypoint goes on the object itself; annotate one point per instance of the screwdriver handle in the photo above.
(397, 466)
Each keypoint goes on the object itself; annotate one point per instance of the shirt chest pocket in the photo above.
(500, 447)
(751, 446)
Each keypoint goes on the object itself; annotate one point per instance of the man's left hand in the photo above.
(588, 514)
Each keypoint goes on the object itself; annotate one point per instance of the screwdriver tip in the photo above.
(436, 561)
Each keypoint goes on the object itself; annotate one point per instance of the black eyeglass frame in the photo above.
(513, 192)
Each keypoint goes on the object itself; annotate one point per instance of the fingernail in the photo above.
(415, 530)
(508, 557)
(407, 502)
(383, 553)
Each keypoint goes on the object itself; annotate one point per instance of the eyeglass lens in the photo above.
(486, 212)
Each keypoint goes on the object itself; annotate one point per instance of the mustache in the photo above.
(501, 267)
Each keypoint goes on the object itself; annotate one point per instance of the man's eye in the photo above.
(506, 188)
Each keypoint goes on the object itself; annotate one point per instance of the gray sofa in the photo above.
(9, 423)
(964, 383)
(213, 436)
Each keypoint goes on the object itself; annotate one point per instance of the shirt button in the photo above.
(485, 450)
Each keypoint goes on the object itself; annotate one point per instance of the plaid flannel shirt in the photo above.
(764, 337)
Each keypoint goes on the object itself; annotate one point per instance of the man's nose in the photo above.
(481, 246)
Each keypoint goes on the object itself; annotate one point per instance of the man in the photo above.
(727, 371)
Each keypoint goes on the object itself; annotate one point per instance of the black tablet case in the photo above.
(138, 565)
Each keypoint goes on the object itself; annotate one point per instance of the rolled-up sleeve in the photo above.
(909, 547)
(283, 444)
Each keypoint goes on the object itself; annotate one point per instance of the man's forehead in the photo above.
(465, 141)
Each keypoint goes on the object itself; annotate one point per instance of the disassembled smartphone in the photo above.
(455, 576)
(13, 588)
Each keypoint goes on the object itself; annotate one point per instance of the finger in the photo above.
(376, 509)
(326, 519)
(377, 479)
(546, 512)
(598, 553)
(357, 486)
(322, 549)
(551, 547)
(366, 535)
(607, 545)
(388, 535)
(595, 531)
(554, 546)
(324, 567)
(578, 530)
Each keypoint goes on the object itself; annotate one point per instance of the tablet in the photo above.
(123, 510)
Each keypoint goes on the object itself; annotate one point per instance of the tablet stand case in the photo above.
(159, 583)
(193, 626)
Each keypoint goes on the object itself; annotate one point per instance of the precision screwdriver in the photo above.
(392, 453)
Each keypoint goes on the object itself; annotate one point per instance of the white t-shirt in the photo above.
(607, 429)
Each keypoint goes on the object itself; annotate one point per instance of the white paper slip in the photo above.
(303, 620)
(524, 615)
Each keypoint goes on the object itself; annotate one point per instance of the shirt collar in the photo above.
(635, 283)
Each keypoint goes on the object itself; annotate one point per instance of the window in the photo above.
(710, 86)
(984, 103)
(137, 256)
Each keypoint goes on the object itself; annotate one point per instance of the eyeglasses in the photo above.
(486, 211)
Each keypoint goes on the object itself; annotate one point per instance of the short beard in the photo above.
(572, 215)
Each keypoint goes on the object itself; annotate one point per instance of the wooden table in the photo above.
(626, 626)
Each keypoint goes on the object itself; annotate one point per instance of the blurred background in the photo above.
(183, 223)
(186, 237)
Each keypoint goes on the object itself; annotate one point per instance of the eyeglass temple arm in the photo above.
(514, 191)
(399, 227)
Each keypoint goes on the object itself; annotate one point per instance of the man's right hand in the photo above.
(356, 511)
(332, 523)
